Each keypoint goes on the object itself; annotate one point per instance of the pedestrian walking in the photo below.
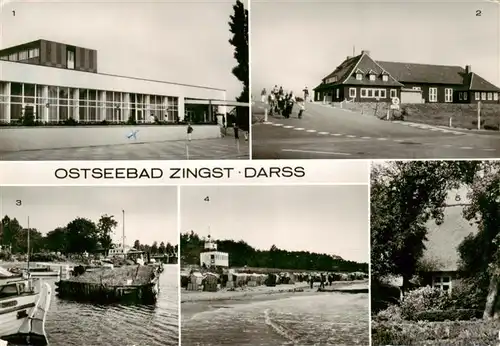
(306, 93)
(189, 131)
(263, 95)
(236, 131)
(302, 108)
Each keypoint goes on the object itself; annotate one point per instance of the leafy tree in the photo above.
(105, 229)
(238, 25)
(404, 197)
(161, 248)
(82, 236)
(242, 254)
(137, 244)
(57, 240)
(154, 248)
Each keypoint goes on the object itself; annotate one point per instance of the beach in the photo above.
(281, 315)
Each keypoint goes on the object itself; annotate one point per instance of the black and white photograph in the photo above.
(274, 265)
(375, 80)
(434, 253)
(89, 266)
(113, 80)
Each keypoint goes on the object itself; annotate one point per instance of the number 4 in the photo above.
(479, 13)
(207, 199)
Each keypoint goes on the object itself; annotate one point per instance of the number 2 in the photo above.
(19, 202)
(479, 13)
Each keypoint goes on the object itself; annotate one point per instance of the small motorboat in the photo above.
(22, 310)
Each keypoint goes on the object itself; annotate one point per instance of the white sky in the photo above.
(176, 41)
(297, 43)
(150, 212)
(322, 219)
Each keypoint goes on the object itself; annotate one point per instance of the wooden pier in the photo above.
(127, 284)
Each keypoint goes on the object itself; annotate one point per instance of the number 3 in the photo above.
(19, 202)
(479, 13)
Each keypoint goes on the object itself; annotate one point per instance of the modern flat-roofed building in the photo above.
(55, 82)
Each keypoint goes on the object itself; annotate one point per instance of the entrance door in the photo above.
(29, 112)
(140, 116)
(117, 115)
(189, 116)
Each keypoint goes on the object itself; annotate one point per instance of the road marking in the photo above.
(277, 124)
(299, 129)
(489, 149)
(398, 140)
(336, 134)
(466, 148)
(323, 133)
(382, 139)
(268, 122)
(351, 136)
(311, 131)
(288, 127)
(315, 152)
(366, 138)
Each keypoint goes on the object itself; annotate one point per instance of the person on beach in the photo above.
(275, 89)
(236, 131)
(311, 281)
(189, 132)
(290, 101)
(322, 283)
(263, 95)
(306, 93)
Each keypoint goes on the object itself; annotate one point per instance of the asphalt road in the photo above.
(325, 132)
(201, 149)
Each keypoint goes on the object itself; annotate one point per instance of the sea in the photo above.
(76, 324)
(312, 319)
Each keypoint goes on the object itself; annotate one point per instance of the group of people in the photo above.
(282, 103)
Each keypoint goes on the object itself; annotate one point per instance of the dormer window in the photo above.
(359, 74)
(372, 75)
(385, 78)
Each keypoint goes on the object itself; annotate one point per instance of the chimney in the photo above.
(367, 52)
(348, 57)
(468, 69)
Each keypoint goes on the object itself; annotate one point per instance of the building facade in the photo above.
(211, 257)
(55, 82)
(362, 79)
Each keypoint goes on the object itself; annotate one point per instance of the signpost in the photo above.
(479, 115)
(394, 106)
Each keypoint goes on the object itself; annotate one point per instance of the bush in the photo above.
(131, 120)
(392, 313)
(467, 296)
(491, 127)
(447, 315)
(70, 122)
(423, 299)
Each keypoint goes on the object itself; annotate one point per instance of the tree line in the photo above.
(405, 196)
(242, 254)
(77, 237)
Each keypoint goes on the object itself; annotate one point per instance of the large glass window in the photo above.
(41, 103)
(63, 104)
(53, 104)
(70, 55)
(16, 101)
(109, 106)
(82, 109)
(13, 57)
(23, 55)
(93, 105)
(4, 101)
(29, 93)
(33, 53)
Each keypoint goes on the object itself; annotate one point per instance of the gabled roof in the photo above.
(480, 84)
(443, 240)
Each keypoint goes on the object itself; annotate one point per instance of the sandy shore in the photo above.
(194, 302)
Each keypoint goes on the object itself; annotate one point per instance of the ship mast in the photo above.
(123, 232)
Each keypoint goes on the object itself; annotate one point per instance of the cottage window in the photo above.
(352, 92)
(376, 92)
(495, 96)
(417, 88)
(383, 93)
(433, 94)
(490, 96)
(370, 92)
(394, 93)
(359, 76)
(465, 95)
(460, 96)
(483, 96)
(385, 78)
(372, 77)
(448, 95)
(337, 93)
(442, 282)
(477, 96)
(363, 92)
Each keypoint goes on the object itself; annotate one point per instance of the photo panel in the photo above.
(89, 266)
(173, 80)
(375, 80)
(274, 265)
(434, 252)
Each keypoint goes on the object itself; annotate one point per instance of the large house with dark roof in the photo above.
(362, 79)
